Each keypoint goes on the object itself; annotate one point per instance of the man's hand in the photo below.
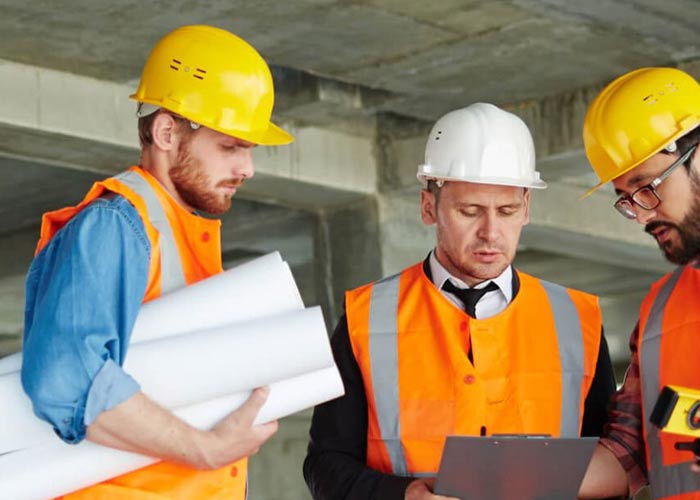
(142, 426)
(422, 489)
(236, 436)
(605, 477)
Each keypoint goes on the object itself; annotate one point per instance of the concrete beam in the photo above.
(62, 119)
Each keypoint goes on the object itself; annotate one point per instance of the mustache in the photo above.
(231, 183)
(654, 225)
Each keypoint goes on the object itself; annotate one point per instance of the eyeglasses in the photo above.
(646, 196)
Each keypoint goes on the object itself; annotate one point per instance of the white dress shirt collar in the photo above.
(491, 303)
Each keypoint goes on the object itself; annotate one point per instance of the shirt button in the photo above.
(469, 379)
(234, 471)
(205, 237)
(463, 326)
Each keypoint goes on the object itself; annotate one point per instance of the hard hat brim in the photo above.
(274, 135)
(497, 181)
(614, 175)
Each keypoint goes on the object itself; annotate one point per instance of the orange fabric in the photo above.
(199, 244)
(515, 386)
(680, 327)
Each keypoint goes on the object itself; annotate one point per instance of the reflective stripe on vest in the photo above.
(665, 480)
(570, 341)
(383, 354)
(384, 359)
(172, 275)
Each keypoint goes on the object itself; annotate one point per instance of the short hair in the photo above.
(434, 188)
(145, 126)
(685, 143)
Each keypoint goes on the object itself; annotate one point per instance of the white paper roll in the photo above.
(56, 469)
(262, 287)
(11, 363)
(186, 369)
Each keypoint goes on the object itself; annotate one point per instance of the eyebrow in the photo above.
(517, 204)
(637, 179)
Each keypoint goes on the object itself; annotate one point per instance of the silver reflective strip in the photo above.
(384, 361)
(172, 275)
(570, 340)
(669, 480)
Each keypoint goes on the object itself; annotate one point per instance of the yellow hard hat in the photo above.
(636, 116)
(215, 79)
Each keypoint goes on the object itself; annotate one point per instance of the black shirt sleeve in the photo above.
(335, 465)
(602, 389)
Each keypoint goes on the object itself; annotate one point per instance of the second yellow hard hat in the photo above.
(636, 116)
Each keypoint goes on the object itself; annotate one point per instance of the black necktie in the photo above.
(469, 296)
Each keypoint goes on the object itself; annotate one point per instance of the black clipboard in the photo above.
(513, 467)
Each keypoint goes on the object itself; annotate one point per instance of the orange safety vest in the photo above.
(185, 248)
(533, 366)
(669, 336)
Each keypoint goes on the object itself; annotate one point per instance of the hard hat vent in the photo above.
(199, 73)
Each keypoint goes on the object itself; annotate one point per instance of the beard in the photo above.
(190, 178)
(688, 230)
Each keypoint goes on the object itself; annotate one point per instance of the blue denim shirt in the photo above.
(83, 292)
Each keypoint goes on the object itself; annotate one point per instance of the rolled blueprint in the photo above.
(11, 363)
(194, 367)
(262, 287)
(65, 468)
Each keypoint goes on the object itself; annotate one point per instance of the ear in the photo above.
(164, 132)
(428, 208)
(526, 200)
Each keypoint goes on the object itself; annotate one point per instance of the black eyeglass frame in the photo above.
(625, 203)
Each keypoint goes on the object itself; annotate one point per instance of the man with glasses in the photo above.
(641, 133)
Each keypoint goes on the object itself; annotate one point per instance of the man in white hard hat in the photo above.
(460, 343)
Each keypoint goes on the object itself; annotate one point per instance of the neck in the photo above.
(158, 164)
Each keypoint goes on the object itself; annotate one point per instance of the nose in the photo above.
(644, 216)
(243, 164)
(488, 228)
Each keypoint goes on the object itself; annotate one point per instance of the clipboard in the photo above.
(513, 466)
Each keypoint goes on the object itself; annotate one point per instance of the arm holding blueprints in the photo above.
(191, 372)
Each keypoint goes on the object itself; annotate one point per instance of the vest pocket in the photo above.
(427, 419)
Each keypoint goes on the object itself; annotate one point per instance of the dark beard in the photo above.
(688, 230)
(190, 180)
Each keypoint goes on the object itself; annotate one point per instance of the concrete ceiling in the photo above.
(428, 56)
(359, 82)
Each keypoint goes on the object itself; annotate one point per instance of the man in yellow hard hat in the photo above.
(461, 343)
(642, 133)
(205, 100)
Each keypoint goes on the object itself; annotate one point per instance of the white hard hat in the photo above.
(481, 143)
